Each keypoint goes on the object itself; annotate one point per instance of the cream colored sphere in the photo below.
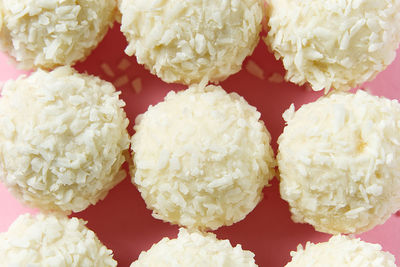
(339, 162)
(202, 158)
(333, 44)
(62, 139)
(193, 249)
(51, 33)
(189, 41)
(50, 240)
(341, 251)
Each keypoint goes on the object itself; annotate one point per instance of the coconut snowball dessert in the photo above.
(47, 34)
(52, 240)
(341, 251)
(339, 162)
(333, 44)
(195, 249)
(191, 41)
(62, 139)
(201, 157)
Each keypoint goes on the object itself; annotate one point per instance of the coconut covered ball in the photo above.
(339, 162)
(52, 240)
(50, 33)
(333, 44)
(62, 139)
(195, 249)
(202, 157)
(341, 251)
(190, 41)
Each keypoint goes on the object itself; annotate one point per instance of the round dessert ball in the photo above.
(202, 158)
(195, 249)
(52, 240)
(191, 41)
(333, 44)
(341, 251)
(47, 34)
(62, 139)
(339, 162)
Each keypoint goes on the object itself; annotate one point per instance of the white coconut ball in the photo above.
(52, 240)
(50, 33)
(195, 249)
(341, 251)
(62, 139)
(202, 157)
(189, 41)
(333, 44)
(339, 162)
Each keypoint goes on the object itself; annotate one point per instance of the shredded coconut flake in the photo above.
(124, 64)
(202, 158)
(341, 251)
(254, 69)
(121, 81)
(276, 78)
(137, 85)
(339, 162)
(107, 69)
(189, 41)
(52, 240)
(195, 249)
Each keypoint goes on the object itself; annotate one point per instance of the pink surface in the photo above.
(122, 221)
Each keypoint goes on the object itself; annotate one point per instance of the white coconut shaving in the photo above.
(341, 251)
(276, 78)
(137, 85)
(62, 139)
(254, 69)
(50, 33)
(195, 249)
(107, 69)
(52, 240)
(202, 157)
(339, 162)
(121, 81)
(191, 41)
(124, 64)
(333, 44)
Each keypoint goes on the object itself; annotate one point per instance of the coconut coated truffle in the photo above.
(202, 157)
(191, 41)
(341, 251)
(333, 44)
(62, 139)
(52, 240)
(339, 162)
(49, 33)
(195, 249)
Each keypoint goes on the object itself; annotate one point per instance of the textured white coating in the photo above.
(52, 241)
(189, 41)
(195, 250)
(50, 33)
(202, 157)
(339, 162)
(62, 138)
(331, 43)
(341, 251)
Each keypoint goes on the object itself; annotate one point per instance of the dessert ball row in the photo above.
(329, 44)
(202, 156)
(55, 240)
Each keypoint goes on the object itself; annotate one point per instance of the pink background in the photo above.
(122, 221)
